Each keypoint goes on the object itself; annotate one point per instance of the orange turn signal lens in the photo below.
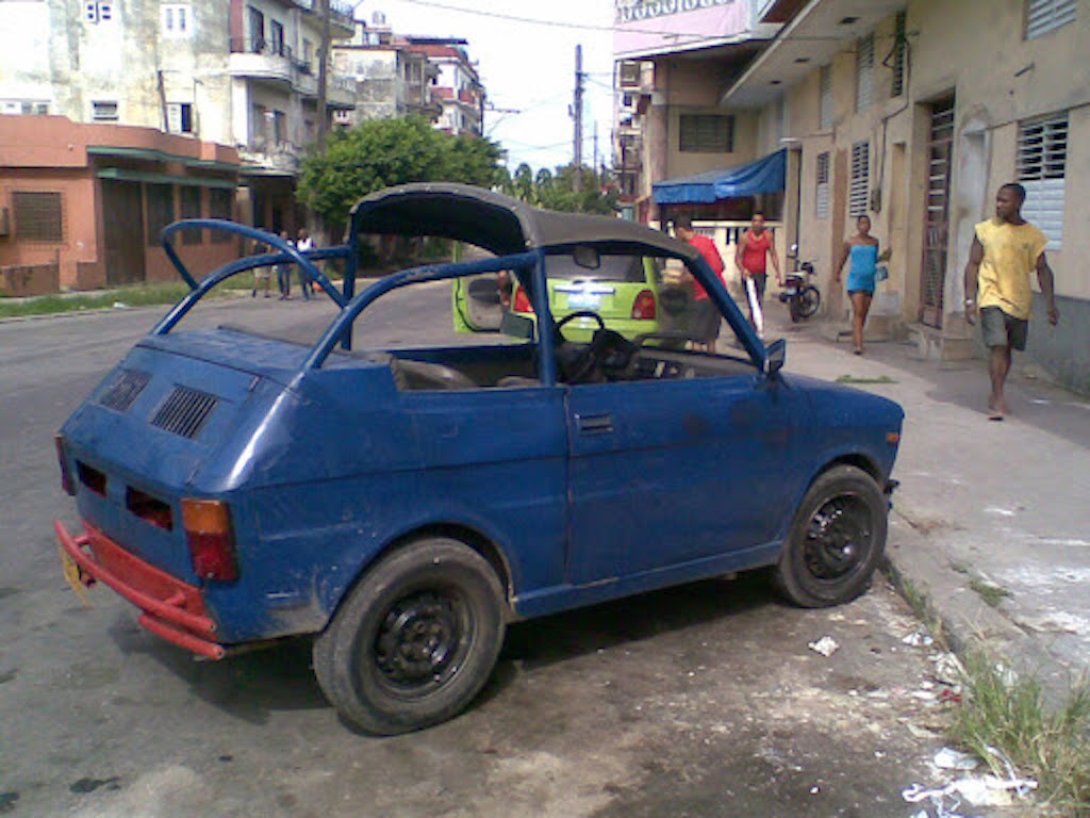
(206, 516)
(893, 438)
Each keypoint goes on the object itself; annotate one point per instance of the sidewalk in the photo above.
(981, 503)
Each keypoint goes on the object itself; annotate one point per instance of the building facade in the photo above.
(81, 205)
(242, 73)
(911, 111)
(392, 79)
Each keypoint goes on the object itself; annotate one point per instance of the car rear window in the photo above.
(612, 268)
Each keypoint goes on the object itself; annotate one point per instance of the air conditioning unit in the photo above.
(628, 74)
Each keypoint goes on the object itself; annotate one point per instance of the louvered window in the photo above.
(900, 49)
(1042, 170)
(1043, 16)
(825, 99)
(38, 216)
(821, 204)
(864, 73)
(860, 186)
(706, 133)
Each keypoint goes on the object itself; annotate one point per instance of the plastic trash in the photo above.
(950, 759)
(826, 646)
(120, 305)
(918, 639)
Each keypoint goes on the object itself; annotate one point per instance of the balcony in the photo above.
(341, 92)
(279, 158)
(341, 15)
(255, 58)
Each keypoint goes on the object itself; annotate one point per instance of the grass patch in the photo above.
(854, 379)
(1051, 747)
(136, 295)
(990, 593)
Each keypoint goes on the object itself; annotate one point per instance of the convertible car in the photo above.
(402, 505)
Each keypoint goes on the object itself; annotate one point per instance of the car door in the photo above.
(667, 472)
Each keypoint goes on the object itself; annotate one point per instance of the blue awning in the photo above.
(765, 175)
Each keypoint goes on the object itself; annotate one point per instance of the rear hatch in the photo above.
(175, 403)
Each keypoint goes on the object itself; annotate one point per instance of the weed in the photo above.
(854, 379)
(959, 567)
(991, 594)
(1009, 715)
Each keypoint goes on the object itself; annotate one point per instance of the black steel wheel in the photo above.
(415, 640)
(836, 540)
(809, 300)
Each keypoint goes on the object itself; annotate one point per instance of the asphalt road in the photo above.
(699, 701)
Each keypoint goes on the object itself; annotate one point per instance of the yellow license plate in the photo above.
(74, 576)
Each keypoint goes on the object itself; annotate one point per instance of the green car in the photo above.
(623, 289)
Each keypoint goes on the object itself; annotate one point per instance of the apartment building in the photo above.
(241, 73)
(456, 86)
(392, 78)
(915, 113)
(912, 111)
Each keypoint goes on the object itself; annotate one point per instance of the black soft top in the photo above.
(500, 224)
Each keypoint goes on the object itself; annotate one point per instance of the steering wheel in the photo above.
(608, 350)
(563, 322)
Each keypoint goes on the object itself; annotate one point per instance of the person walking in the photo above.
(303, 244)
(1005, 250)
(704, 317)
(751, 256)
(283, 272)
(862, 249)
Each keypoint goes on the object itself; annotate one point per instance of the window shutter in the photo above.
(1042, 171)
(821, 203)
(864, 73)
(860, 185)
(1043, 16)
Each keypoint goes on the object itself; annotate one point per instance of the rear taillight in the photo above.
(644, 306)
(522, 301)
(67, 483)
(211, 539)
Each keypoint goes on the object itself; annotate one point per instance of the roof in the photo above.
(765, 175)
(500, 224)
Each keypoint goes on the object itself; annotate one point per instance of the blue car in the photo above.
(402, 505)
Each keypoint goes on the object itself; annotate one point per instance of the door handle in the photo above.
(594, 424)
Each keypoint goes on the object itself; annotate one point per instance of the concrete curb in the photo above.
(918, 570)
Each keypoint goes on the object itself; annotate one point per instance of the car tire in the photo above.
(415, 640)
(836, 540)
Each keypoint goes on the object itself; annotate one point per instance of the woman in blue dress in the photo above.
(862, 249)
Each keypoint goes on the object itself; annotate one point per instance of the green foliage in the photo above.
(1052, 746)
(385, 152)
(556, 190)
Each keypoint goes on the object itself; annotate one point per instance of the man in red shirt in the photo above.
(750, 258)
(705, 317)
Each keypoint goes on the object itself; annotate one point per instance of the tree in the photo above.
(556, 191)
(384, 152)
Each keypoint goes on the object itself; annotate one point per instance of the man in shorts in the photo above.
(704, 317)
(1006, 249)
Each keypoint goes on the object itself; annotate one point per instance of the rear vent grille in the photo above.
(124, 390)
(184, 412)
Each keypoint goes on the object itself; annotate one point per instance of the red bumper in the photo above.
(170, 608)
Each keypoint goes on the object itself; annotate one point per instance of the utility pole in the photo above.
(594, 167)
(577, 114)
(323, 74)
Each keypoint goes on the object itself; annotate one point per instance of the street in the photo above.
(699, 701)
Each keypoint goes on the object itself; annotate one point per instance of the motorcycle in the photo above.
(801, 297)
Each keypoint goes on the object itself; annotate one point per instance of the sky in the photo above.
(526, 64)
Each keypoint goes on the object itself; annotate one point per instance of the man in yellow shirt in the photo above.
(1006, 249)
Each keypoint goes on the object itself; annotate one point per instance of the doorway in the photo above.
(123, 222)
(936, 236)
